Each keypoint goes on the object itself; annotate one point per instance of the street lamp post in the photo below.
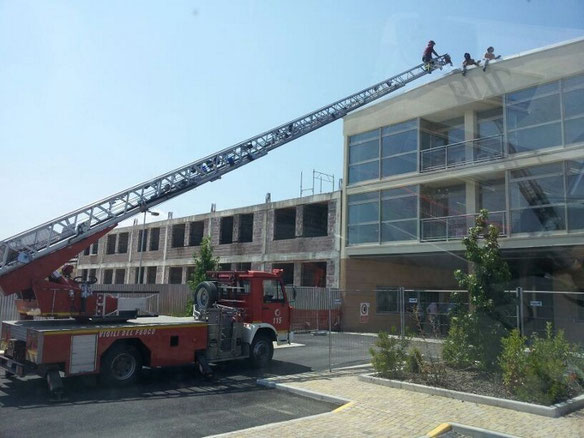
(142, 242)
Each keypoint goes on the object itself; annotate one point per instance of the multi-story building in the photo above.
(300, 236)
(419, 166)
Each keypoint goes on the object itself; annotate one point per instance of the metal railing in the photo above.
(456, 227)
(463, 153)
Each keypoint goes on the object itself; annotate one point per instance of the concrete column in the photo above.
(299, 221)
(471, 196)
(470, 123)
(236, 219)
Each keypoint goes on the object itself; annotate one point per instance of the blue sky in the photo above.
(98, 96)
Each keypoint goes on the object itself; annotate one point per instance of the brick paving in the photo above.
(382, 411)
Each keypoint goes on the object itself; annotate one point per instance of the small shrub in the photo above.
(513, 360)
(474, 340)
(389, 357)
(546, 373)
(415, 362)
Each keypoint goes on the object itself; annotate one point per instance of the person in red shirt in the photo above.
(427, 56)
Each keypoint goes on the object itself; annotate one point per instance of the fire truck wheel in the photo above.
(121, 365)
(262, 351)
(205, 295)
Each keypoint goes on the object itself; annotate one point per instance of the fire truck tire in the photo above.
(262, 351)
(121, 365)
(205, 295)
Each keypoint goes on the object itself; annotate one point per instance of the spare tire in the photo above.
(205, 295)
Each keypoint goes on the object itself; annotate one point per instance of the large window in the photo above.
(443, 212)
(575, 194)
(397, 145)
(399, 148)
(442, 144)
(537, 199)
(363, 218)
(533, 118)
(364, 156)
(573, 100)
(386, 300)
(399, 214)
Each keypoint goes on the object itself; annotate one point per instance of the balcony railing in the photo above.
(463, 153)
(456, 227)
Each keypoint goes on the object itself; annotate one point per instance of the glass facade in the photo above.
(547, 198)
(386, 216)
(392, 150)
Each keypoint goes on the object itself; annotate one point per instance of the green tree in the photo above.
(475, 334)
(204, 261)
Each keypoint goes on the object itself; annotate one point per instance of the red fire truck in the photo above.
(237, 315)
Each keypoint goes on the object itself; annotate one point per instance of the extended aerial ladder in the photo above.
(29, 257)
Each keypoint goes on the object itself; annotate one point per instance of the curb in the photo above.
(303, 392)
(554, 411)
(343, 402)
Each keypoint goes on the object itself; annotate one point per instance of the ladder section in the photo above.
(79, 224)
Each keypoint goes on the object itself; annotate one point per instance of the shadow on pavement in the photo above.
(157, 383)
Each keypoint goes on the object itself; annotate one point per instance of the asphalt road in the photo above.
(175, 401)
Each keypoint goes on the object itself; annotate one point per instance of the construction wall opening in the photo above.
(285, 223)
(246, 227)
(123, 243)
(120, 276)
(154, 239)
(288, 274)
(226, 230)
(315, 220)
(314, 274)
(178, 235)
(108, 276)
(196, 233)
(175, 275)
(151, 275)
(111, 244)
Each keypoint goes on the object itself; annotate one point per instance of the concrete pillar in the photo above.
(299, 221)
(235, 231)
(470, 123)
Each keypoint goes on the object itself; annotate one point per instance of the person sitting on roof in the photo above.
(490, 56)
(427, 56)
(468, 61)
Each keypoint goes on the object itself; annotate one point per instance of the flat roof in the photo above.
(440, 80)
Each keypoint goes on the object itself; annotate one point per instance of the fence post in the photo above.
(330, 330)
(520, 294)
(402, 312)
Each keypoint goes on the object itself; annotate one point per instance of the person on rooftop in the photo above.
(490, 56)
(468, 61)
(427, 56)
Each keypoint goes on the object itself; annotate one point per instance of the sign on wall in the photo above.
(364, 313)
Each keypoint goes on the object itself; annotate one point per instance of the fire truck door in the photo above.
(275, 310)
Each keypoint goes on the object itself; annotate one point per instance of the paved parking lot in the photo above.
(172, 402)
